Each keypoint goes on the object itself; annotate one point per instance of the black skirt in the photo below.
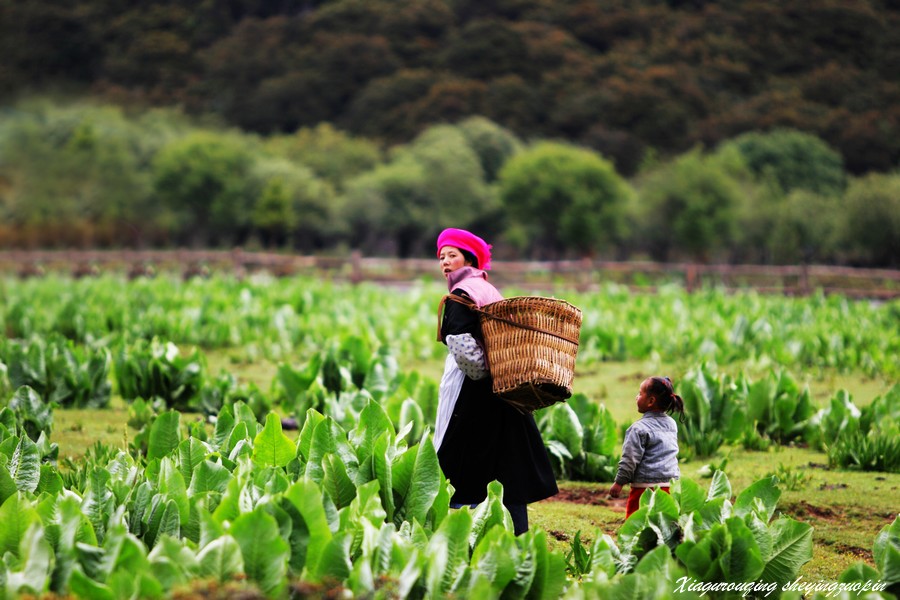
(487, 439)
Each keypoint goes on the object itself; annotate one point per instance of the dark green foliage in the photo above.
(155, 369)
(561, 197)
(619, 76)
(793, 160)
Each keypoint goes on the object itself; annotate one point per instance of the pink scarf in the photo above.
(473, 282)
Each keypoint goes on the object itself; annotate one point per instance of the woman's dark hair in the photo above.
(470, 258)
(662, 389)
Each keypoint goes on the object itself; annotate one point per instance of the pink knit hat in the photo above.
(462, 239)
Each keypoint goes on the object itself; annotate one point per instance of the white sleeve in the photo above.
(469, 355)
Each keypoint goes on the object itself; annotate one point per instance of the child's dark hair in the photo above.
(662, 389)
(469, 257)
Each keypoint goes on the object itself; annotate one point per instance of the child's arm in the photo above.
(632, 453)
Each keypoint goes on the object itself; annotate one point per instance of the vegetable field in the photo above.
(267, 437)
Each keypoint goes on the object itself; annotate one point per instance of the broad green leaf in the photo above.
(123, 551)
(271, 447)
(35, 560)
(861, 573)
(209, 476)
(661, 502)
(416, 480)
(210, 528)
(373, 422)
(69, 519)
(659, 560)
(448, 550)
(760, 497)
(761, 400)
(224, 425)
(165, 435)
(334, 563)
(170, 522)
(336, 482)
(307, 432)
(306, 497)
(82, 586)
(496, 558)
(761, 534)
(383, 468)
(264, 551)
(25, 465)
(791, 549)
(323, 442)
(605, 555)
(191, 452)
(886, 551)
(566, 428)
(366, 505)
(173, 487)
(550, 568)
(714, 511)
(221, 559)
(720, 487)
(98, 501)
(7, 484)
(701, 558)
(172, 562)
(689, 494)
(490, 514)
(141, 501)
(742, 561)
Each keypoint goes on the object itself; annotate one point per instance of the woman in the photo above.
(480, 437)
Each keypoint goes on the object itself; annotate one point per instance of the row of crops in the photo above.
(361, 511)
(581, 436)
(286, 318)
(356, 502)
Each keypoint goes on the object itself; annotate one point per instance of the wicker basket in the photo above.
(530, 344)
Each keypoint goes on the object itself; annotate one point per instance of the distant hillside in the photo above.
(619, 76)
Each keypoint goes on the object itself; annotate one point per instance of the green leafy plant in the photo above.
(790, 478)
(157, 370)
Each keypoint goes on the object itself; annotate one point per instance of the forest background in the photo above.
(736, 131)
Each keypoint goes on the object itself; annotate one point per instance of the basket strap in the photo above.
(464, 300)
(471, 304)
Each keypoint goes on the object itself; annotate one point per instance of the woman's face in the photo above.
(451, 259)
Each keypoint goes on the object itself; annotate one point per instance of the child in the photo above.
(650, 450)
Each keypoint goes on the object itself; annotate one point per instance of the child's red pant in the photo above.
(634, 499)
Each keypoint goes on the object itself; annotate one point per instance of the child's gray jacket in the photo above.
(650, 451)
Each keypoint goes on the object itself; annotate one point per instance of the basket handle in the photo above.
(466, 301)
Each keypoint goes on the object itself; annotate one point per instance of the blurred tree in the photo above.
(870, 221)
(332, 154)
(805, 228)
(381, 109)
(869, 140)
(417, 28)
(689, 206)
(488, 48)
(150, 48)
(794, 160)
(447, 101)
(292, 205)
(626, 151)
(78, 174)
(563, 199)
(513, 103)
(44, 42)
(203, 180)
(492, 143)
(434, 182)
